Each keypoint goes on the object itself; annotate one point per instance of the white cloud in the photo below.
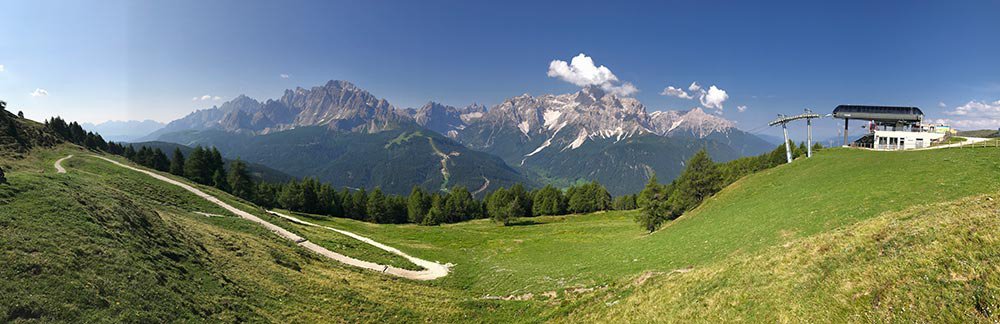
(741, 108)
(284, 76)
(1, 67)
(942, 105)
(675, 92)
(694, 86)
(713, 98)
(977, 109)
(39, 92)
(582, 72)
(206, 98)
(973, 115)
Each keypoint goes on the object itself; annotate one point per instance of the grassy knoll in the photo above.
(836, 188)
(928, 263)
(105, 244)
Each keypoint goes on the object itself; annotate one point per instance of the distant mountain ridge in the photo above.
(338, 105)
(123, 130)
(543, 137)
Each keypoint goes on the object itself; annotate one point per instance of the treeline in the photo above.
(202, 165)
(506, 205)
(74, 133)
(206, 166)
(701, 179)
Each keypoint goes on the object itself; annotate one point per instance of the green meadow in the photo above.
(847, 235)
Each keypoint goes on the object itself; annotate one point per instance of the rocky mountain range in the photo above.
(124, 130)
(560, 139)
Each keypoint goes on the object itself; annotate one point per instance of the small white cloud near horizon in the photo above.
(694, 86)
(675, 92)
(582, 72)
(942, 105)
(1, 68)
(741, 108)
(974, 115)
(284, 76)
(39, 92)
(206, 98)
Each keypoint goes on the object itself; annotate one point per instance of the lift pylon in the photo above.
(784, 120)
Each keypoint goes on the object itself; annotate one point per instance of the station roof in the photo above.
(879, 113)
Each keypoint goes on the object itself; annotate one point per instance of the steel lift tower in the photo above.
(784, 120)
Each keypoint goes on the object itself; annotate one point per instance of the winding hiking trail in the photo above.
(433, 270)
(59, 167)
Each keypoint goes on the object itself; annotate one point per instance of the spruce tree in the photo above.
(699, 180)
(160, 161)
(360, 204)
(197, 167)
(417, 205)
(177, 162)
(290, 196)
(652, 187)
(377, 209)
(435, 215)
(219, 181)
(239, 180)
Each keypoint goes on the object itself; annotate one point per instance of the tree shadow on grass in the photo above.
(524, 222)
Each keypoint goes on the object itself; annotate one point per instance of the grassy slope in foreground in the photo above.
(836, 188)
(930, 263)
(106, 244)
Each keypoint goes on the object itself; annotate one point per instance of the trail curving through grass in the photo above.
(432, 270)
(58, 165)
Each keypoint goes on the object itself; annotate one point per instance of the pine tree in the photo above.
(291, 196)
(699, 180)
(655, 211)
(417, 205)
(310, 199)
(458, 205)
(652, 187)
(377, 210)
(524, 199)
(159, 161)
(239, 179)
(360, 204)
(548, 201)
(197, 166)
(435, 215)
(219, 181)
(177, 163)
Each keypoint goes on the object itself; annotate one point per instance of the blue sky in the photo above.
(102, 60)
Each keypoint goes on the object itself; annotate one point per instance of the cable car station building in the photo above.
(889, 128)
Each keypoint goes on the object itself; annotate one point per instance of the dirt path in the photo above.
(433, 270)
(59, 167)
(968, 141)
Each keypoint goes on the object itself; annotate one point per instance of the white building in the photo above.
(903, 140)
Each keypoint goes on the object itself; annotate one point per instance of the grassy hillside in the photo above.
(980, 133)
(834, 189)
(928, 263)
(848, 235)
(104, 244)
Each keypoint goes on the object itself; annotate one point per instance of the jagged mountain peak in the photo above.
(695, 122)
